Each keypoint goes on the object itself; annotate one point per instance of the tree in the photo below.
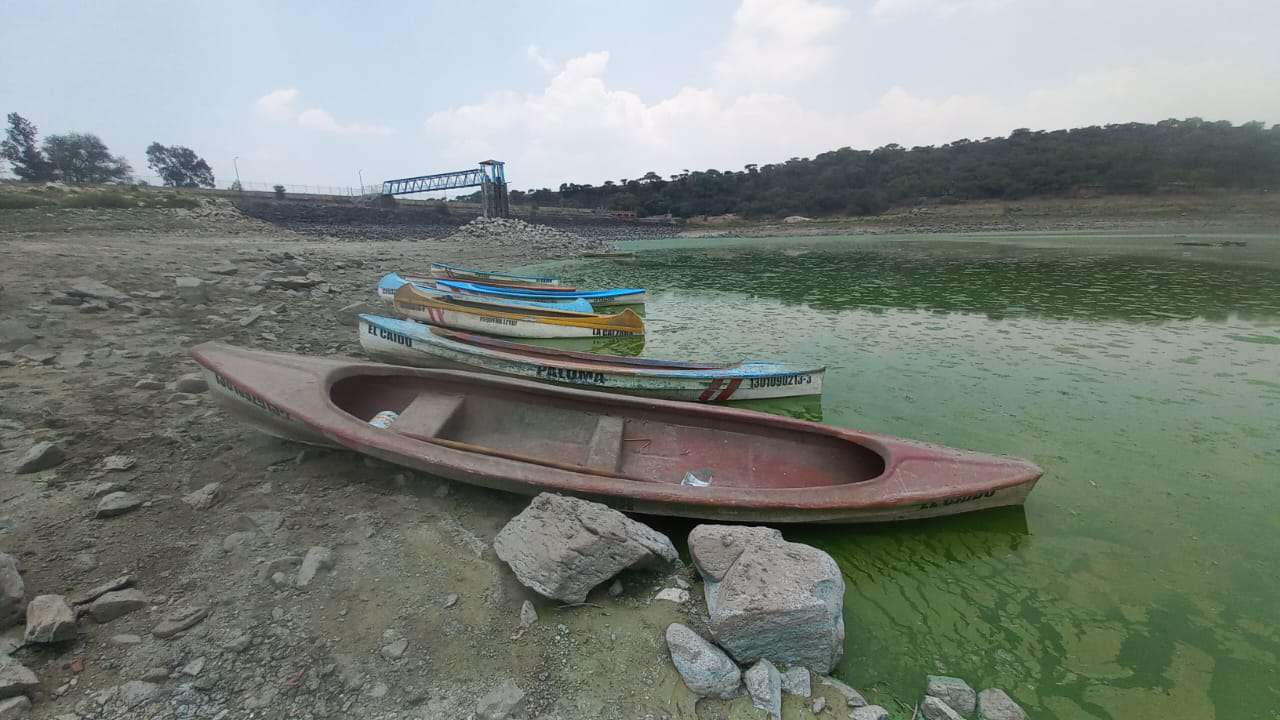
(179, 166)
(20, 149)
(83, 158)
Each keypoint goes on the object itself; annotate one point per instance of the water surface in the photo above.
(1141, 579)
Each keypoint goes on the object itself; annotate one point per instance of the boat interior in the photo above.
(599, 437)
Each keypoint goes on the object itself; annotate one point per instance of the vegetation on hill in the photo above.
(1172, 155)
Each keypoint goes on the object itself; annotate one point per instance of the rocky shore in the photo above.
(160, 561)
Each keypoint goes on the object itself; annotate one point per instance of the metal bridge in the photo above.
(490, 177)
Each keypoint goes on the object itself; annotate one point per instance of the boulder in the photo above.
(15, 678)
(869, 712)
(317, 558)
(953, 691)
(705, 669)
(764, 685)
(41, 456)
(796, 681)
(116, 503)
(562, 547)
(192, 383)
(115, 604)
(994, 704)
(769, 598)
(15, 708)
(14, 334)
(504, 703)
(49, 620)
(935, 709)
(13, 592)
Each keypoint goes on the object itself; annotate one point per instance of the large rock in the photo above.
(563, 547)
(15, 678)
(953, 691)
(768, 598)
(764, 685)
(13, 592)
(41, 456)
(703, 667)
(935, 709)
(994, 704)
(50, 620)
(14, 334)
(111, 605)
(504, 703)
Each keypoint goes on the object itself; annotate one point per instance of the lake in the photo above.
(1140, 581)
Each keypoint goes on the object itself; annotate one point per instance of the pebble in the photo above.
(869, 712)
(148, 385)
(394, 650)
(117, 463)
(450, 600)
(528, 615)
(125, 639)
(615, 589)
(675, 595)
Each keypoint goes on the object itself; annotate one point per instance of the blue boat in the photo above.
(618, 296)
(391, 282)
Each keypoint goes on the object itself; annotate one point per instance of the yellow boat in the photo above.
(415, 304)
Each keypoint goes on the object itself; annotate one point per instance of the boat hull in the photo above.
(524, 282)
(303, 398)
(597, 298)
(392, 282)
(411, 343)
(414, 304)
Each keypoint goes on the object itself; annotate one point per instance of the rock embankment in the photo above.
(511, 232)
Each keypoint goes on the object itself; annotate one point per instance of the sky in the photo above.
(320, 93)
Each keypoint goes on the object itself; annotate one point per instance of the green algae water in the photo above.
(1141, 580)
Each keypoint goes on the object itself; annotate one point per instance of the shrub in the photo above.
(279, 192)
(98, 199)
(21, 201)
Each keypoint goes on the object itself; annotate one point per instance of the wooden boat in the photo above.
(617, 296)
(414, 303)
(391, 282)
(637, 454)
(496, 279)
(411, 343)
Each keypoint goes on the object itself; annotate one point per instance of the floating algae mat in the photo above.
(1140, 582)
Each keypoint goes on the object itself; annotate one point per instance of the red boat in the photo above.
(641, 455)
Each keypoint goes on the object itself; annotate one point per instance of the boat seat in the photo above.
(427, 416)
(605, 450)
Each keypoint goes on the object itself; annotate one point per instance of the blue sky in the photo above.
(310, 93)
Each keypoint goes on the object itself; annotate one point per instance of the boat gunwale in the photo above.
(626, 321)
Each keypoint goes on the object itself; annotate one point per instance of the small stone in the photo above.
(239, 642)
(117, 463)
(450, 600)
(71, 359)
(15, 708)
(237, 540)
(705, 669)
(86, 561)
(851, 696)
(819, 704)
(35, 354)
(119, 603)
(506, 702)
(933, 708)
(394, 650)
(191, 383)
(41, 456)
(378, 690)
(155, 675)
(117, 503)
(94, 593)
(138, 692)
(223, 268)
(675, 595)
(179, 620)
(148, 385)
(87, 287)
(106, 488)
(796, 681)
(14, 334)
(764, 685)
(615, 589)
(204, 498)
(995, 704)
(317, 558)
(954, 692)
(194, 668)
(50, 620)
(192, 290)
(869, 712)
(528, 614)
(125, 639)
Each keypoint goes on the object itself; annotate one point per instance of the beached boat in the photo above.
(418, 305)
(391, 282)
(617, 296)
(637, 454)
(528, 282)
(412, 343)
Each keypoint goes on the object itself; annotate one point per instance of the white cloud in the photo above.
(279, 104)
(779, 42)
(282, 106)
(579, 129)
(886, 9)
(536, 57)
